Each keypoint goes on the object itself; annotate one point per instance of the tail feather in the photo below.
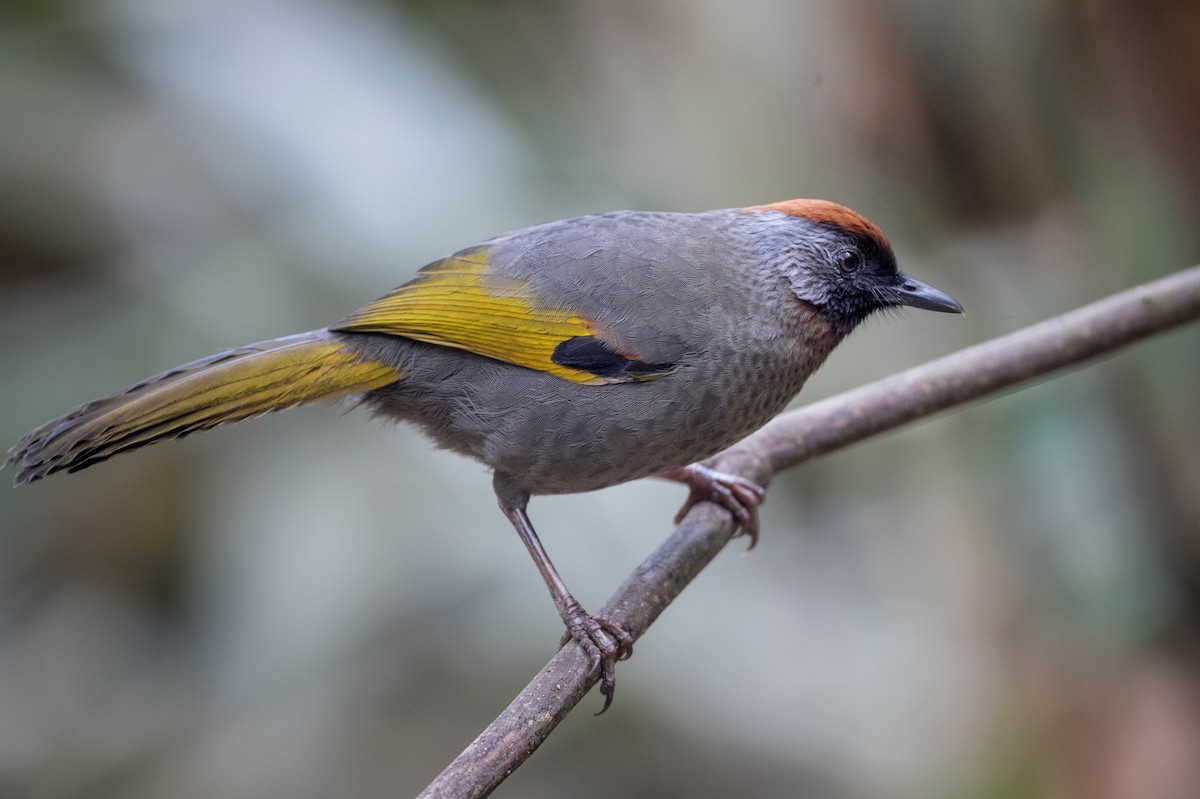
(228, 387)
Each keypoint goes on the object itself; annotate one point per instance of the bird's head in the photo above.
(841, 263)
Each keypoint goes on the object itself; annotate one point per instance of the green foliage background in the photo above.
(1001, 602)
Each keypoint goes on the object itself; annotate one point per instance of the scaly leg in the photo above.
(739, 496)
(604, 642)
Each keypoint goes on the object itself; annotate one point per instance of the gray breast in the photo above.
(556, 436)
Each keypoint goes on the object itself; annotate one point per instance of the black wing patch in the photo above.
(590, 354)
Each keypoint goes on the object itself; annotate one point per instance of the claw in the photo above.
(739, 496)
(604, 642)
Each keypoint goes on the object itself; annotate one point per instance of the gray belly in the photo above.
(556, 436)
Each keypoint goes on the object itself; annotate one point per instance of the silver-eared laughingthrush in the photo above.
(567, 357)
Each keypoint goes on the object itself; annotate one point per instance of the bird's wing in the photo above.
(462, 302)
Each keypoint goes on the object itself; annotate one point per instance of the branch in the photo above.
(793, 438)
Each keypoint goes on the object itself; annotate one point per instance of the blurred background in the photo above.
(1000, 602)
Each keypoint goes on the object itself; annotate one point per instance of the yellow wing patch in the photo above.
(458, 302)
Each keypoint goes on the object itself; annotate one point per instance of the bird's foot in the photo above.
(604, 643)
(739, 496)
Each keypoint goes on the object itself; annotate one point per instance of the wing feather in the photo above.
(460, 302)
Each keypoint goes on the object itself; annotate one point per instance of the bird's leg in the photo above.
(604, 642)
(739, 496)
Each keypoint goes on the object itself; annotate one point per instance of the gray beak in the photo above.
(916, 294)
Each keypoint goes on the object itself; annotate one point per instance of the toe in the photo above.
(739, 496)
(605, 643)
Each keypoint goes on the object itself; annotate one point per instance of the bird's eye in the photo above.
(848, 261)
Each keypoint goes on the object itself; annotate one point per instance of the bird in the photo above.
(568, 357)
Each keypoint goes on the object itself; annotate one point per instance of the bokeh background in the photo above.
(1001, 602)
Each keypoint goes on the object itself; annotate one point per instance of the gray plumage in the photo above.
(686, 289)
(642, 343)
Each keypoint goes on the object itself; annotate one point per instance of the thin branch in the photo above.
(822, 427)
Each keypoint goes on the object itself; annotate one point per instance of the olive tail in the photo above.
(228, 387)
